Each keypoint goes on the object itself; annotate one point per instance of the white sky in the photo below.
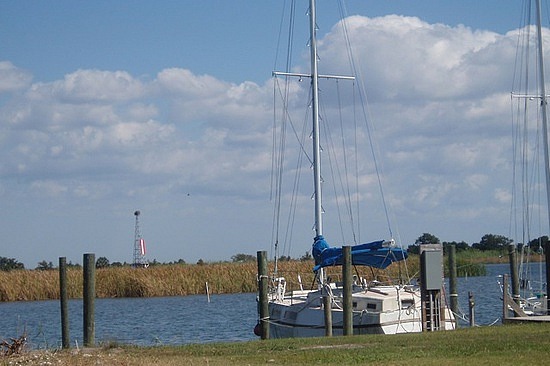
(109, 107)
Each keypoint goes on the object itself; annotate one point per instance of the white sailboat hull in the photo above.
(379, 310)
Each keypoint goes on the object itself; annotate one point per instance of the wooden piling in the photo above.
(89, 300)
(207, 292)
(509, 303)
(514, 273)
(547, 257)
(327, 306)
(471, 305)
(347, 278)
(452, 279)
(63, 300)
(505, 302)
(263, 290)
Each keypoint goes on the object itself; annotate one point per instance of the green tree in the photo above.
(102, 262)
(8, 264)
(425, 238)
(492, 242)
(538, 244)
(459, 246)
(44, 266)
(243, 258)
(73, 265)
(306, 257)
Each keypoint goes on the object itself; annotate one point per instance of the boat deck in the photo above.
(528, 319)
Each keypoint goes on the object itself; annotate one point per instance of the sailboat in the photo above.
(377, 307)
(528, 198)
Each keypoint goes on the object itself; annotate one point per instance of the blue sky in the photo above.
(232, 40)
(108, 107)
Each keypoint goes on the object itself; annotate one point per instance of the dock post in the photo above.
(452, 279)
(505, 305)
(514, 273)
(347, 277)
(547, 257)
(63, 300)
(89, 299)
(262, 290)
(327, 306)
(471, 305)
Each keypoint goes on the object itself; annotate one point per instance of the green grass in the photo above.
(525, 344)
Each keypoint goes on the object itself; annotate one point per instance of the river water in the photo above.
(191, 319)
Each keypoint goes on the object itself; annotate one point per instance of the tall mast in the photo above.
(315, 112)
(543, 105)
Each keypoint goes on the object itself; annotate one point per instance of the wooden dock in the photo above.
(508, 303)
(527, 319)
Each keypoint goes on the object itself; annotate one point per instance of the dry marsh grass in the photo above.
(165, 280)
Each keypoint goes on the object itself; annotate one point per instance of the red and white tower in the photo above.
(139, 246)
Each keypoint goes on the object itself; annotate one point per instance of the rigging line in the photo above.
(356, 146)
(343, 15)
(331, 152)
(278, 157)
(278, 149)
(521, 81)
(287, 239)
(279, 36)
(294, 196)
(291, 123)
(370, 129)
(285, 117)
(519, 142)
(512, 224)
(289, 52)
(525, 127)
(346, 170)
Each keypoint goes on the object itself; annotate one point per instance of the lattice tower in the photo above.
(139, 245)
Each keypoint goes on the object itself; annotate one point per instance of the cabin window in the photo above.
(405, 304)
(371, 306)
(354, 304)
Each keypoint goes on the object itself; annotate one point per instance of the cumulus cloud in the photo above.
(90, 86)
(12, 78)
(438, 100)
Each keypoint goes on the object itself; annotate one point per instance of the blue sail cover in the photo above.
(375, 254)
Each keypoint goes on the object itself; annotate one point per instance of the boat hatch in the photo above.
(407, 303)
(366, 305)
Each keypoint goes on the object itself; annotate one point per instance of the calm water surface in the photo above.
(191, 319)
(139, 321)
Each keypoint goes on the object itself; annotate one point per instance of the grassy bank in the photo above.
(498, 345)
(163, 280)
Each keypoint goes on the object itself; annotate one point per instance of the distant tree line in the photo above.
(487, 242)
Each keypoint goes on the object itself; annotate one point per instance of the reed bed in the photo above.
(166, 280)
